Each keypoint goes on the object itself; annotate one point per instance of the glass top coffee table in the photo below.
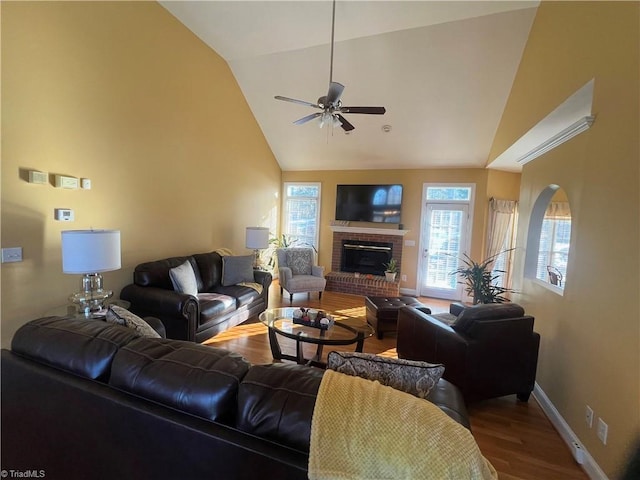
(344, 331)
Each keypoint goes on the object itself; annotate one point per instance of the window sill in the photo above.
(553, 288)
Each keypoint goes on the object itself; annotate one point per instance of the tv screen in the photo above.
(369, 203)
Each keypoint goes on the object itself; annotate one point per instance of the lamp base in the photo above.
(92, 296)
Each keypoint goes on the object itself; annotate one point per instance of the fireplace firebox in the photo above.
(365, 257)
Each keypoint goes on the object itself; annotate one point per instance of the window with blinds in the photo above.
(553, 249)
(553, 252)
(301, 213)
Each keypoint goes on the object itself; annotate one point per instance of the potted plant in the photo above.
(479, 279)
(391, 270)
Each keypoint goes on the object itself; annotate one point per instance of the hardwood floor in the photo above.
(517, 438)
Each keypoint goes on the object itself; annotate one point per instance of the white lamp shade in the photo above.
(90, 251)
(257, 237)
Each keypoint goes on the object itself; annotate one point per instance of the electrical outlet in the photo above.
(603, 429)
(578, 453)
(589, 416)
(403, 278)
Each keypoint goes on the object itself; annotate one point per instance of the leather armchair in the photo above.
(487, 350)
(298, 273)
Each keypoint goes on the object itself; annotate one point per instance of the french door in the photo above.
(444, 240)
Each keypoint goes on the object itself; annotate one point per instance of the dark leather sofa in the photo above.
(488, 350)
(184, 316)
(87, 399)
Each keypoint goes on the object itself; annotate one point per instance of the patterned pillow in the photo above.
(299, 261)
(237, 269)
(124, 317)
(183, 279)
(416, 378)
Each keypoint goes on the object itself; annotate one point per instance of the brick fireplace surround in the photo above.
(366, 285)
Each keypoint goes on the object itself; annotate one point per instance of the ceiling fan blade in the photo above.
(335, 92)
(293, 100)
(368, 110)
(346, 126)
(307, 118)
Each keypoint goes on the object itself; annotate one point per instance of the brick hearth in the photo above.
(366, 285)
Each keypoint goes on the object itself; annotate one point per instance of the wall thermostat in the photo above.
(64, 214)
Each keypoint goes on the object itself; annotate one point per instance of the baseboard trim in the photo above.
(409, 292)
(589, 465)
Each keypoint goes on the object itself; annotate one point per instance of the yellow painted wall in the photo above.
(590, 350)
(123, 94)
(503, 185)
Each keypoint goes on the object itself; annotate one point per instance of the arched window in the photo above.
(549, 238)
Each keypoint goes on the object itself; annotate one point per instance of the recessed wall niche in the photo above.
(549, 238)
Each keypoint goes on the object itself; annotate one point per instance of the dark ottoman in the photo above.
(382, 312)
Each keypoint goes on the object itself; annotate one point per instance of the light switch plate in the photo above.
(13, 254)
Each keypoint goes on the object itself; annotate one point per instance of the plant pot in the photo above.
(390, 276)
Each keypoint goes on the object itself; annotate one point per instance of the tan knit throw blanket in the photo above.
(364, 430)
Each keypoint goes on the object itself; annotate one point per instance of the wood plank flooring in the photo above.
(517, 438)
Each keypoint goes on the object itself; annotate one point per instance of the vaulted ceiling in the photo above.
(443, 71)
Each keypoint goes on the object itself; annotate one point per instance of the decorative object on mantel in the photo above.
(339, 223)
(90, 252)
(312, 318)
(391, 270)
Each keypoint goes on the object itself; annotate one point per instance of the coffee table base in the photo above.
(316, 360)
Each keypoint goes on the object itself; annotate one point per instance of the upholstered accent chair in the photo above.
(487, 350)
(298, 273)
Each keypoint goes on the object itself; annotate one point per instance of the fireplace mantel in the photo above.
(370, 231)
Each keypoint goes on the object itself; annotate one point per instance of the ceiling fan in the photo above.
(330, 104)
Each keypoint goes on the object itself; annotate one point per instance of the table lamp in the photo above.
(257, 238)
(90, 252)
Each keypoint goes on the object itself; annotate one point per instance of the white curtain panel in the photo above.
(501, 232)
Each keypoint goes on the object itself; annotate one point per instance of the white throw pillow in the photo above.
(183, 279)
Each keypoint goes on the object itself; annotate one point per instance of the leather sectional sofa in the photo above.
(188, 317)
(488, 350)
(87, 399)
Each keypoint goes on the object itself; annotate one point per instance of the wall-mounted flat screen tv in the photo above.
(369, 203)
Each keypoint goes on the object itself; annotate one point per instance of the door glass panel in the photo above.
(445, 238)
